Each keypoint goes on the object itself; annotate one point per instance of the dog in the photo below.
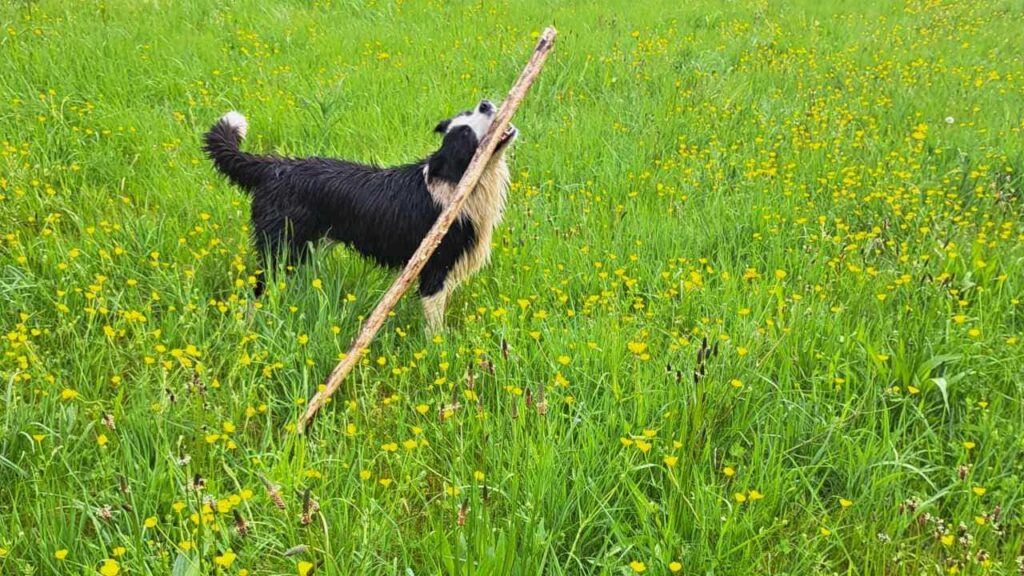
(383, 213)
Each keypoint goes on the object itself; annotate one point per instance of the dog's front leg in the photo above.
(433, 311)
(434, 293)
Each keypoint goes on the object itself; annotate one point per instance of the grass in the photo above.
(754, 308)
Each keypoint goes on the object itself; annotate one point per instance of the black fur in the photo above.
(384, 213)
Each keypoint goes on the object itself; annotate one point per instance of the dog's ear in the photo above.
(442, 126)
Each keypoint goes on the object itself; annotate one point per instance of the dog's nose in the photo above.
(486, 107)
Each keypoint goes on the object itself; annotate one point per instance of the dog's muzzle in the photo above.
(508, 135)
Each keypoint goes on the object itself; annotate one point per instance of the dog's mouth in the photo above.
(508, 135)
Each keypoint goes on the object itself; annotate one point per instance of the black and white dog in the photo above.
(384, 213)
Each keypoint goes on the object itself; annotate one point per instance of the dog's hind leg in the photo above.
(273, 249)
(265, 254)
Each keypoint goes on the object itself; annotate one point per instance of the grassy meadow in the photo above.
(755, 307)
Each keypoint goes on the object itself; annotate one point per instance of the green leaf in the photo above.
(942, 384)
(185, 566)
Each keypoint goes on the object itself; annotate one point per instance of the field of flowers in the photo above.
(755, 306)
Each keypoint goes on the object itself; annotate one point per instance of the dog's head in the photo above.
(462, 135)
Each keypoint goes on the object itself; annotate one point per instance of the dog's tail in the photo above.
(221, 145)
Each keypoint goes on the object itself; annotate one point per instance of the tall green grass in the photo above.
(754, 307)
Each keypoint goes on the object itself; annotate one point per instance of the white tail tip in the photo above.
(236, 121)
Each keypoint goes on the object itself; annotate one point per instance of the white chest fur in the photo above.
(484, 208)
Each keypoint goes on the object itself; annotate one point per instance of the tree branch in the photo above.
(419, 259)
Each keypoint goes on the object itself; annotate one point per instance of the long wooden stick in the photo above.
(419, 259)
